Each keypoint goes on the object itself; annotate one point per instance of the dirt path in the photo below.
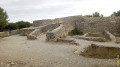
(17, 51)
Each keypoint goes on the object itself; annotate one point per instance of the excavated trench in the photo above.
(104, 52)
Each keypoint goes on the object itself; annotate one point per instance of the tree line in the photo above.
(18, 25)
(97, 14)
(5, 25)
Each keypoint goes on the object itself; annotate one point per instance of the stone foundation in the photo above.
(98, 39)
(4, 34)
(38, 23)
(67, 40)
(26, 31)
(110, 36)
(14, 32)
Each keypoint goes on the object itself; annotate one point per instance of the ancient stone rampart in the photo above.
(95, 25)
(89, 24)
(38, 23)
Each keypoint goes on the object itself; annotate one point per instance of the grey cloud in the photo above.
(39, 9)
(43, 10)
(31, 11)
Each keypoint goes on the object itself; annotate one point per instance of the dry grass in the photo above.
(101, 51)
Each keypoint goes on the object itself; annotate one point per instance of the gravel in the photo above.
(20, 52)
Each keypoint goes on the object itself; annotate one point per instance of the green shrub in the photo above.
(116, 13)
(23, 24)
(17, 25)
(96, 14)
(12, 26)
(75, 32)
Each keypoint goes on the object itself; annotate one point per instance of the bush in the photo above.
(116, 13)
(75, 32)
(23, 24)
(18, 25)
(96, 14)
(12, 26)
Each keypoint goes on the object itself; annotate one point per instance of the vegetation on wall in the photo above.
(75, 32)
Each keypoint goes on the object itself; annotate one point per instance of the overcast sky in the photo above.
(29, 10)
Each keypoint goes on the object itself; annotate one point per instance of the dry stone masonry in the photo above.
(38, 23)
(59, 32)
(26, 31)
(59, 28)
(42, 29)
(87, 24)
(4, 34)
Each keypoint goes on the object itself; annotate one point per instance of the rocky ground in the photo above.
(17, 51)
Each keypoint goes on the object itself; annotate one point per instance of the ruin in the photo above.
(84, 24)
(96, 29)
(59, 28)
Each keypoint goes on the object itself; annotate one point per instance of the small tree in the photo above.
(96, 14)
(116, 13)
(88, 15)
(3, 19)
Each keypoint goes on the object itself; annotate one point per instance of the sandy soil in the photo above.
(17, 51)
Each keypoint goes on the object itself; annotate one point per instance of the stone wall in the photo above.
(95, 27)
(38, 23)
(97, 24)
(59, 32)
(9, 33)
(26, 31)
(14, 32)
(98, 39)
(42, 29)
(110, 36)
(88, 24)
(4, 34)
